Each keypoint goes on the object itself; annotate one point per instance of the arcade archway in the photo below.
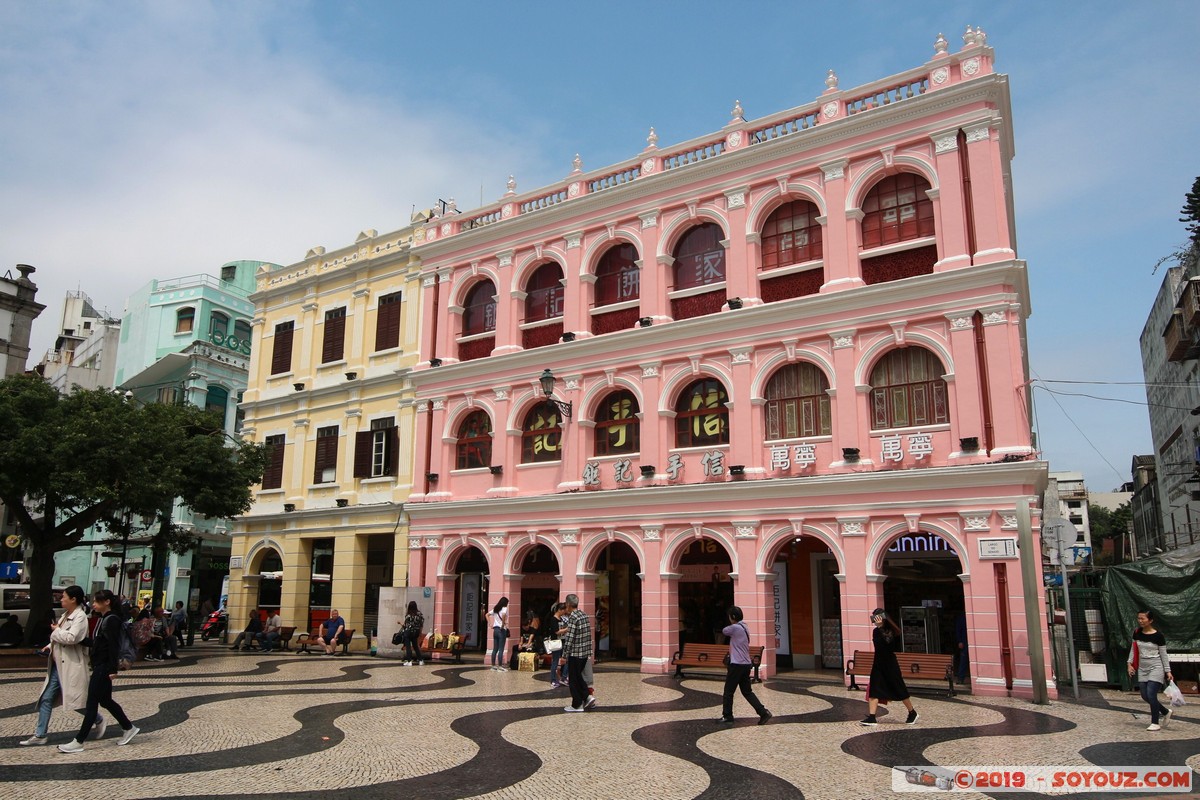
(618, 602)
(923, 591)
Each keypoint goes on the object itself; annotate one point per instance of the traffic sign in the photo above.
(146, 576)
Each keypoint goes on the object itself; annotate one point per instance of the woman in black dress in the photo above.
(887, 683)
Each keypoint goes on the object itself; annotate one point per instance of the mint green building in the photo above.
(183, 340)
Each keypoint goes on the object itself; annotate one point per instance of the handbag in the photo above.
(553, 645)
(397, 637)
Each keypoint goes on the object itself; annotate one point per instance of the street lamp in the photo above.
(547, 380)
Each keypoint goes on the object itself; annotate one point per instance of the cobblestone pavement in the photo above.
(219, 724)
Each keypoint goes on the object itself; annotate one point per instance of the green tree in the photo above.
(71, 461)
(1106, 524)
(1190, 213)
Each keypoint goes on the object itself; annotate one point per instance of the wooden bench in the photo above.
(428, 650)
(283, 643)
(306, 639)
(913, 666)
(712, 655)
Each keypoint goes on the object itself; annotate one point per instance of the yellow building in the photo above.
(335, 338)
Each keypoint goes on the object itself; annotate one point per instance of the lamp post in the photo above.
(547, 380)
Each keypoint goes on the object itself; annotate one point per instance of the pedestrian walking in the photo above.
(886, 681)
(1148, 660)
(577, 645)
(737, 672)
(499, 619)
(66, 667)
(555, 628)
(106, 647)
(410, 635)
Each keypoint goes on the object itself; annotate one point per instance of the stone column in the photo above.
(989, 196)
(841, 235)
(949, 203)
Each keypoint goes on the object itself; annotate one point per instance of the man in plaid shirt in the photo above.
(577, 647)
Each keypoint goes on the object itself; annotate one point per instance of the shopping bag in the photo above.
(1174, 695)
(527, 662)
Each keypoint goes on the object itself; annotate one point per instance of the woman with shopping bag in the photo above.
(1149, 663)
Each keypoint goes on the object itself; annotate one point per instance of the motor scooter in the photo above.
(214, 626)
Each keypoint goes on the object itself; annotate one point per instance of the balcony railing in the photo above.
(1176, 338)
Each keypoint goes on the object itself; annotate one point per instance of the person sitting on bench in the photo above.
(332, 630)
(253, 628)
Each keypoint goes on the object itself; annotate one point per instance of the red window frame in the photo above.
(791, 235)
(544, 293)
(474, 447)
(479, 309)
(701, 416)
(907, 390)
(700, 257)
(618, 427)
(618, 277)
(541, 435)
(897, 209)
(797, 403)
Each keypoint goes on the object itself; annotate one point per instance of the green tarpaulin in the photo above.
(1168, 585)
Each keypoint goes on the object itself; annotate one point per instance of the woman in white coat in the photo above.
(67, 669)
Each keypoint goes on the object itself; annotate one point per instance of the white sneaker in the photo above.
(70, 747)
(408, 663)
(32, 740)
(591, 701)
(98, 730)
(1166, 718)
(420, 663)
(572, 708)
(502, 669)
(127, 737)
(1154, 726)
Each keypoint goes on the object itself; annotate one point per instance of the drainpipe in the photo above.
(981, 360)
(964, 166)
(1006, 665)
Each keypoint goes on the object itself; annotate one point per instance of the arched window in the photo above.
(541, 435)
(544, 293)
(618, 278)
(218, 325)
(474, 448)
(897, 209)
(185, 320)
(617, 425)
(479, 309)
(791, 235)
(700, 257)
(701, 417)
(797, 403)
(907, 389)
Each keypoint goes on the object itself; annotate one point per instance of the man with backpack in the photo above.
(107, 644)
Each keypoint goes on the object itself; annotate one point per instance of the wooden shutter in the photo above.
(273, 473)
(326, 455)
(392, 453)
(281, 353)
(362, 453)
(387, 322)
(335, 335)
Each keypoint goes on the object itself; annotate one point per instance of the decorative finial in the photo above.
(980, 36)
(969, 37)
(512, 185)
(737, 112)
(831, 80)
(941, 45)
(577, 164)
(452, 207)
(652, 139)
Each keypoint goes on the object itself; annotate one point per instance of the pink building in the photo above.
(789, 372)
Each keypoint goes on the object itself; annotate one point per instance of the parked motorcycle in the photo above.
(214, 626)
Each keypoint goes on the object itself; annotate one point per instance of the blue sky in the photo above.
(160, 139)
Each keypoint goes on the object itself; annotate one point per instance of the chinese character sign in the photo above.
(591, 474)
(713, 463)
(674, 466)
(891, 448)
(623, 471)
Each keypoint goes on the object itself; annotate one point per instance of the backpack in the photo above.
(126, 649)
